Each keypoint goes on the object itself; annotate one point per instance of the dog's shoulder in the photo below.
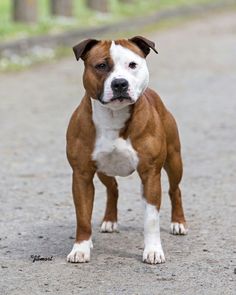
(155, 100)
(81, 119)
(81, 131)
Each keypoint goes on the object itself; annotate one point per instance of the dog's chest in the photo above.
(114, 155)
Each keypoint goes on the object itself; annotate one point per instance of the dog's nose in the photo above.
(119, 85)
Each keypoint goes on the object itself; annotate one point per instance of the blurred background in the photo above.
(55, 21)
(47, 16)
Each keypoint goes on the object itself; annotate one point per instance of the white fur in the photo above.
(114, 156)
(178, 229)
(109, 227)
(137, 78)
(153, 252)
(80, 252)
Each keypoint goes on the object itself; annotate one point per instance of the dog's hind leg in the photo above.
(109, 223)
(173, 167)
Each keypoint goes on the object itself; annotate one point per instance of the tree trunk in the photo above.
(25, 11)
(62, 7)
(99, 5)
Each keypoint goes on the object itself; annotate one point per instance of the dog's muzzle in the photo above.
(120, 90)
(119, 87)
(120, 93)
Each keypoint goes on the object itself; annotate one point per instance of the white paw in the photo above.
(178, 229)
(80, 252)
(109, 227)
(153, 254)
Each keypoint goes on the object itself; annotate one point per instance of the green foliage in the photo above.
(46, 23)
(82, 16)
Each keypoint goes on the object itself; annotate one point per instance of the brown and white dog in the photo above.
(121, 126)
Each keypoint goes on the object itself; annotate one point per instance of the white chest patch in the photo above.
(114, 156)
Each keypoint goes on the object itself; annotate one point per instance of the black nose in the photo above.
(119, 86)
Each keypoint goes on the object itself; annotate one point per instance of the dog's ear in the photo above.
(83, 47)
(144, 44)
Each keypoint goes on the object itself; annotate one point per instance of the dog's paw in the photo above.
(153, 254)
(80, 252)
(178, 229)
(109, 227)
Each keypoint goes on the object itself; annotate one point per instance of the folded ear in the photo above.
(144, 44)
(83, 47)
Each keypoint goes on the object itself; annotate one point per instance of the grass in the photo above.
(83, 17)
(46, 23)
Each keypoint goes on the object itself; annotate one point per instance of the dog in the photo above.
(121, 126)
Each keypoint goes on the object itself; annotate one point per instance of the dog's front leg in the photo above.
(83, 194)
(153, 252)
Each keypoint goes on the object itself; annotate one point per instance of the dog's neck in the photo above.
(107, 121)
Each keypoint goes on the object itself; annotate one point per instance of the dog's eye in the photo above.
(102, 66)
(132, 65)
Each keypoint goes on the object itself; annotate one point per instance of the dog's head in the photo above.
(115, 72)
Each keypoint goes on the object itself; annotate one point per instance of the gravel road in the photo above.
(195, 74)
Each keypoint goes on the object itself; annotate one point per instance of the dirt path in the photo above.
(195, 73)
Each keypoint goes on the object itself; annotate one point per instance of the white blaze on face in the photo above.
(137, 78)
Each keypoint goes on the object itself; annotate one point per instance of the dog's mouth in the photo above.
(121, 98)
(117, 100)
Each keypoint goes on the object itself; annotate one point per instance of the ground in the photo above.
(195, 75)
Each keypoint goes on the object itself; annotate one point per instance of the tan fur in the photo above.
(153, 134)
